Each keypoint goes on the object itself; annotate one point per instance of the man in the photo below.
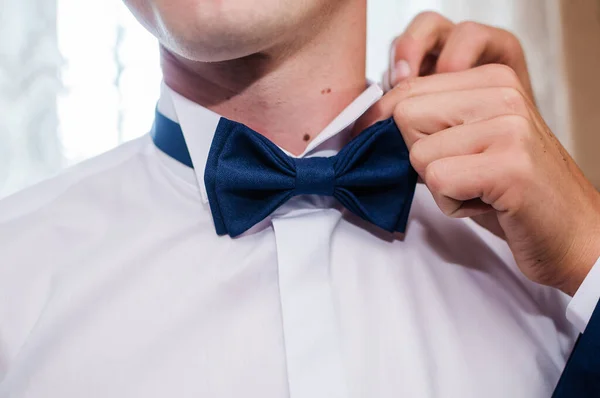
(159, 269)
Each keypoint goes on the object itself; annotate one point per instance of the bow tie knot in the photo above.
(315, 176)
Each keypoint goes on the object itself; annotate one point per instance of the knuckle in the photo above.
(432, 177)
(512, 43)
(518, 158)
(516, 124)
(502, 75)
(417, 156)
(517, 128)
(402, 112)
(471, 27)
(523, 169)
(429, 16)
(513, 100)
(404, 46)
(405, 87)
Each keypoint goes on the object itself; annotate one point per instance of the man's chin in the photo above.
(214, 51)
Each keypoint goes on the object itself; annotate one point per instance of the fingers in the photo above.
(466, 47)
(482, 77)
(433, 44)
(469, 168)
(426, 35)
(456, 180)
(472, 44)
(462, 140)
(432, 113)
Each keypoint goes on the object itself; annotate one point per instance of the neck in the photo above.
(288, 93)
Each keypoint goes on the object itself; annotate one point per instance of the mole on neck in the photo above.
(289, 96)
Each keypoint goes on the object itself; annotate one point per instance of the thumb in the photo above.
(406, 56)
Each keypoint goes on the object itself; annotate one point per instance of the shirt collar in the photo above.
(199, 124)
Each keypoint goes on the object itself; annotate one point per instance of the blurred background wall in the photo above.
(79, 77)
(581, 49)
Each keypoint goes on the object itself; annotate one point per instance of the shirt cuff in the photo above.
(584, 302)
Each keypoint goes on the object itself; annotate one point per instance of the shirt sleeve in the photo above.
(585, 300)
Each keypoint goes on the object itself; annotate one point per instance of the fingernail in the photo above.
(400, 72)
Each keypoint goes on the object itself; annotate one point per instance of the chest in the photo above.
(333, 311)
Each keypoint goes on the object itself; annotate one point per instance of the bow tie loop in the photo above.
(315, 176)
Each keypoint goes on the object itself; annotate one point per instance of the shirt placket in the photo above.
(311, 331)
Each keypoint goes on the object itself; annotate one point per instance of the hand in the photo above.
(483, 150)
(433, 44)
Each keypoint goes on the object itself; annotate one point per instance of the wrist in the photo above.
(584, 257)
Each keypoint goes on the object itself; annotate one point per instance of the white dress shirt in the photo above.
(113, 283)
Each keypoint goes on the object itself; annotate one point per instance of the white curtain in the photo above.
(79, 77)
(29, 82)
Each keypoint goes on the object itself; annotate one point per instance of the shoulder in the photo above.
(41, 196)
(49, 225)
(44, 220)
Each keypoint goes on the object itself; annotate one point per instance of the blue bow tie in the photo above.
(248, 177)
